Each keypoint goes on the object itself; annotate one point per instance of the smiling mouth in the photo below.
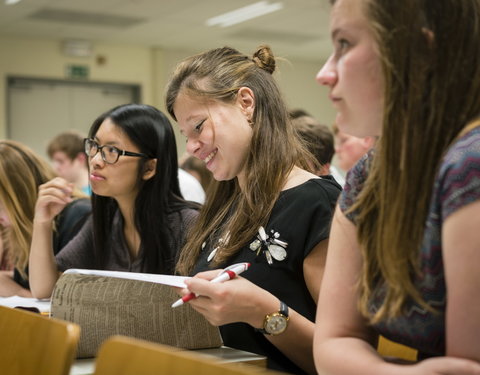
(210, 157)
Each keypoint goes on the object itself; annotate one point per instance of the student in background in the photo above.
(190, 187)
(403, 255)
(22, 172)
(349, 149)
(298, 112)
(139, 218)
(266, 209)
(197, 169)
(318, 139)
(6, 263)
(67, 153)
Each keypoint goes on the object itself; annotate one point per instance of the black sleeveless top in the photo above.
(301, 218)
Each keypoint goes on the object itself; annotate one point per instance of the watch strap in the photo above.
(283, 309)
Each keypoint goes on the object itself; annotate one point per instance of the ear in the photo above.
(429, 36)
(246, 100)
(82, 157)
(150, 169)
(369, 141)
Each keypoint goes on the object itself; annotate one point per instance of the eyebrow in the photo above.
(347, 27)
(335, 33)
(189, 119)
(193, 117)
(112, 143)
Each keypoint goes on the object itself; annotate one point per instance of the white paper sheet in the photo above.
(43, 305)
(178, 281)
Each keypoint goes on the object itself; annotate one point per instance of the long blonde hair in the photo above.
(432, 91)
(21, 172)
(273, 152)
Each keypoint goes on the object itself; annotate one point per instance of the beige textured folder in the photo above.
(104, 306)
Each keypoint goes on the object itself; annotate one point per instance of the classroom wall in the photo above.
(148, 67)
(41, 58)
(301, 90)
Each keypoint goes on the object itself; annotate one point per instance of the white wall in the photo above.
(147, 67)
(301, 90)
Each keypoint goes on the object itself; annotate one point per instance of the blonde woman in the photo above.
(21, 174)
(5, 259)
(403, 259)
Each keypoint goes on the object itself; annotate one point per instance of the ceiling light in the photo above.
(11, 2)
(243, 14)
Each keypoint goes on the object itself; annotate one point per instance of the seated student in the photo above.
(349, 149)
(403, 256)
(139, 218)
(6, 263)
(197, 169)
(318, 139)
(67, 153)
(266, 209)
(18, 195)
(298, 112)
(190, 187)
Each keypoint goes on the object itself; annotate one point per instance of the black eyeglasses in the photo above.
(110, 154)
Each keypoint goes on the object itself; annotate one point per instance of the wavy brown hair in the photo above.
(21, 173)
(273, 152)
(430, 51)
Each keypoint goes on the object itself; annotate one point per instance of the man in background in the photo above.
(350, 149)
(319, 141)
(66, 151)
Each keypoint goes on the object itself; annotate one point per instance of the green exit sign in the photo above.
(77, 71)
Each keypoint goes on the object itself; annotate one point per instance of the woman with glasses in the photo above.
(139, 218)
(21, 173)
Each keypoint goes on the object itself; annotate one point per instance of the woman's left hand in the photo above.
(236, 300)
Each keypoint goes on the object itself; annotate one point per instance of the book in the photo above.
(107, 303)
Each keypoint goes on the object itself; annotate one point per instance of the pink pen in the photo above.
(227, 274)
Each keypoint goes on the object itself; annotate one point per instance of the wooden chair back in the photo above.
(122, 355)
(34, 344)
(391, 349)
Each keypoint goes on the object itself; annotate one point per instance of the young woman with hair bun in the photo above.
(266, 208)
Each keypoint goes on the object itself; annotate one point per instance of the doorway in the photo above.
(39, 109)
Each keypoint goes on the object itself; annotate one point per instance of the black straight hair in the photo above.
(158, 197)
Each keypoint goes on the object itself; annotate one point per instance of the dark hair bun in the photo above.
(263, 58)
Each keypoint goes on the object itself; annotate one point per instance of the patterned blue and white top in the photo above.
(457, 184)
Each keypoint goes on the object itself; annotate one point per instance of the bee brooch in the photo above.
(221, 241)
(272, 247)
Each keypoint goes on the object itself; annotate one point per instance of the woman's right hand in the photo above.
(53, 196)
(446, 366)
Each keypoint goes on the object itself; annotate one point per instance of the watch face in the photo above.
(277, 323)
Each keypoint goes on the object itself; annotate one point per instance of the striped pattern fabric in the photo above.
(457, 184)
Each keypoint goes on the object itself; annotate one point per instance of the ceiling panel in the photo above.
(299, 30)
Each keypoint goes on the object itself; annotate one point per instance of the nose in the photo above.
(96, 160)
(193, 146)
(327, 75)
